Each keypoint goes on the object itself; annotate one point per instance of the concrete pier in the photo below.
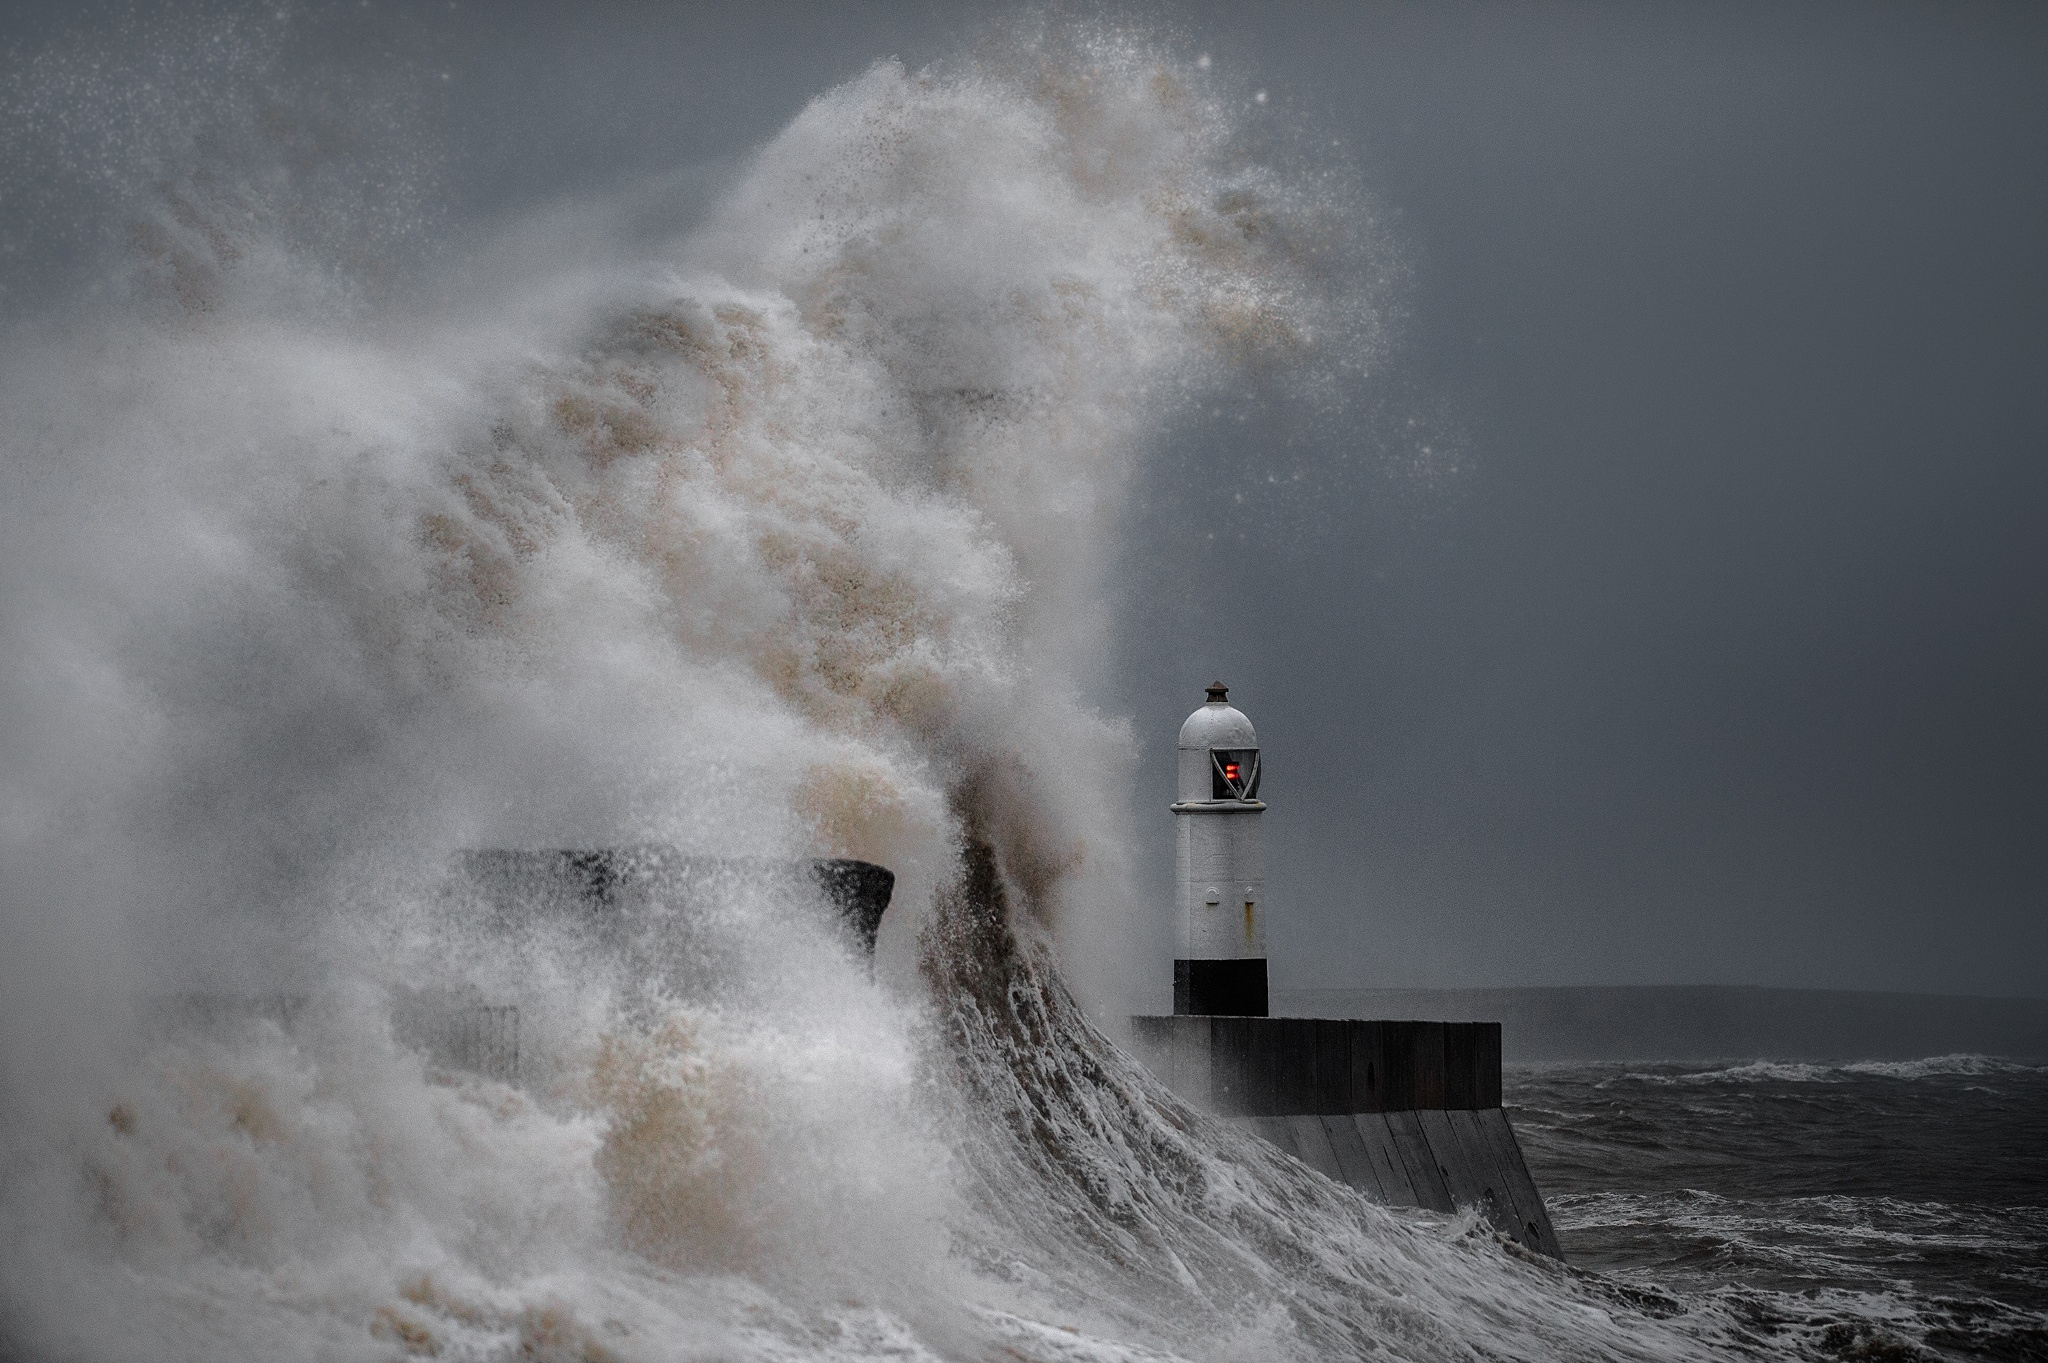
(1408, 1113)
(638, 900)
(605, 885)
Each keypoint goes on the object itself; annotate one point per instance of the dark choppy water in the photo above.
(1876, 1210)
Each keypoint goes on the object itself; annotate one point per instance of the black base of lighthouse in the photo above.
(1220, 988)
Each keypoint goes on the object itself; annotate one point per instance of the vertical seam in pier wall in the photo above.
(1420, 1162)
(1378, 1139)
(1352, 1159)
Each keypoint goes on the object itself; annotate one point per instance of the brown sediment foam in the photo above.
(408, 1334)
(250, 1111)
(677, 1155)
(424, 1291)
(552, 1334)
(608, 429)
(854, 811)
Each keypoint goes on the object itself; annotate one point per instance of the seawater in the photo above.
(769, 524)
(1867, 1209)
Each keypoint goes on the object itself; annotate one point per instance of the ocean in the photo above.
(1866, 1210)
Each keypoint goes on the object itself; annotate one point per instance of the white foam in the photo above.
(1957, 1064)
(1814, 1072)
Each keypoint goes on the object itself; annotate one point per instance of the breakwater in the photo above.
(1407, 1112)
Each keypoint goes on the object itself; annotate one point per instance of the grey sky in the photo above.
(1672, 606)
(1722, 657)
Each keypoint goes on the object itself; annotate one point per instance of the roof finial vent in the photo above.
(1218, 691)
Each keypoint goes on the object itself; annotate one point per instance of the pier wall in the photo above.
(1408, 1113)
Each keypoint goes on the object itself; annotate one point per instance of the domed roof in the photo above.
(1218, 724)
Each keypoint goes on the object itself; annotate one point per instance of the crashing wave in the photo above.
(783, 539)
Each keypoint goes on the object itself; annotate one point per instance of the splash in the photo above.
(782, 537)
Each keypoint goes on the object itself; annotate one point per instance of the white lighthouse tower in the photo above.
(1220, 916)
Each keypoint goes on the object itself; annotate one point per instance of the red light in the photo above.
(1230, 771)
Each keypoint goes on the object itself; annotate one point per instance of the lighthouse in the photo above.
(1406, 1112)
(1219, 953)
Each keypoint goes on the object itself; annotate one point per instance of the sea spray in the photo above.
(783, 537)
